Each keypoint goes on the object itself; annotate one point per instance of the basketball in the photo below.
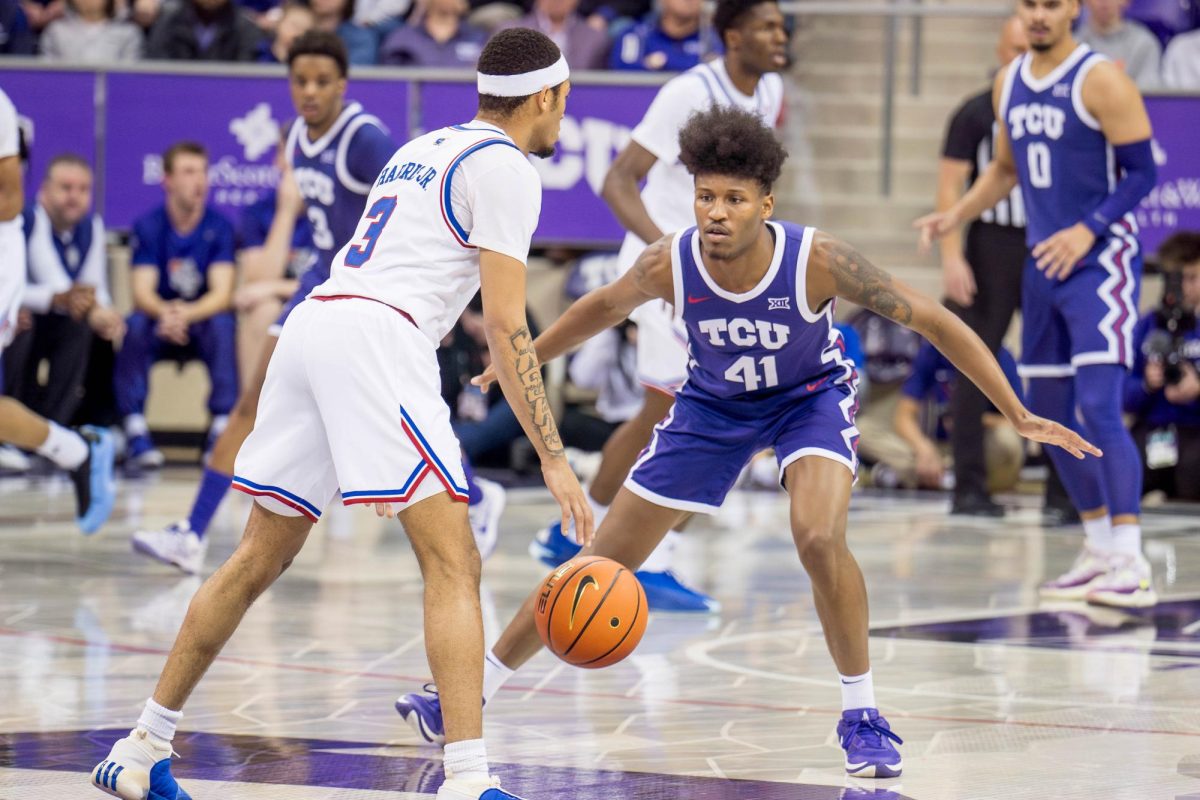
(591, 612)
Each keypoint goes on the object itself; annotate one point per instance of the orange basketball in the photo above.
(591, 612)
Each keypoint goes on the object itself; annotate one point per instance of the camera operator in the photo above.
(1163, 391)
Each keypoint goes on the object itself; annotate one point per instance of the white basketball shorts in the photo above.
(662, 356)
(352, 399)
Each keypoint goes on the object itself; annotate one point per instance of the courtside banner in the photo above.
(1175, 202)
(57, 114)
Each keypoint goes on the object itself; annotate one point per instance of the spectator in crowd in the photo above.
(381, 17)
(41, 13)
(668, 40)
(143, 13)
(583, 46)
(1126, 41)
(204, 30)
(1163, 390)
(67, 293)
(1181, 64)
(614, 16)
(295, 18)
(915, 453)
(16, 37)
(437, 35)
(336, 16)
(275, 248)
(182, 281)
(90, 34)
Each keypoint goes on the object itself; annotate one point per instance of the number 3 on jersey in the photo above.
(380, 212)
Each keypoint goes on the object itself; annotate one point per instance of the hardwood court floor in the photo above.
(995, 696)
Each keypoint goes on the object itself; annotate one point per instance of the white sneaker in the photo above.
(135, 766)
(489, 789)
(13, 460)
(1128, 584)
(175, 544)
(485, 516)
(1074, 584)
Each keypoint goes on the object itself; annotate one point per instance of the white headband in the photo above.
(524, 84)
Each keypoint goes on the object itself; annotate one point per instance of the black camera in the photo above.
(1166, 343)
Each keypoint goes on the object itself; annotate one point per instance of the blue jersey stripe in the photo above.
(448, 207)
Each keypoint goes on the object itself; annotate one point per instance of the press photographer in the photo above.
(1163, 391)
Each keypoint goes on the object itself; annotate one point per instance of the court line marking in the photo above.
(546, 690)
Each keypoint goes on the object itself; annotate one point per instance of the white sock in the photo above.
(858, 691)
(1127, 539)
(135, 425)
(598, 509)
(1099, 533)
(64, 447)
(159, 721)
(466, 760)
(494, 675)
(663, 557)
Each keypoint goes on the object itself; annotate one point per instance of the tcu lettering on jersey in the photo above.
(1036, 119)
(745, 333)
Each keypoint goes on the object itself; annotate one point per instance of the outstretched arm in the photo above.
(605, 307)
(835, 269)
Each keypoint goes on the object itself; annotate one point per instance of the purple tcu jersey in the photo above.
(1066, 166)
(335, 174)
(762, 344)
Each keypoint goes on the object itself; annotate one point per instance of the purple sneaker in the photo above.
(424, 713)
(1129, 584)
(867, 739)
(1074, 584)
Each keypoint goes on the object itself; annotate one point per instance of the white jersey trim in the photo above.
(1077, 92)
(340, 165)
(1006, 90)
(742, 297)
(1040, 85)
(802, 280)
(677, 274)
(314, 149)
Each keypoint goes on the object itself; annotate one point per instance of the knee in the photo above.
(1100, 411)
(455, 559)
(815, 541)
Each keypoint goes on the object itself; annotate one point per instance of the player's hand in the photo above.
(958, 280)
(934, 226)
(1059, 254)
(1042, 430)
(80, 300)
(385, 510)
(930, 468)
(562, 483)
(486, 379)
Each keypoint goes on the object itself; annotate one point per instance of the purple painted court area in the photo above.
(309, 762)
(1082, 628)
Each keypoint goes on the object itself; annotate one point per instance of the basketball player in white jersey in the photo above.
(352, 400)
(746, 77)
(87, 453)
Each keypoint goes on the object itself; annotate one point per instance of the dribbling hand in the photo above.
(562, 483)
(1042, 430)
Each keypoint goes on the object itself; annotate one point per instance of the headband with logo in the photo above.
(524, 84)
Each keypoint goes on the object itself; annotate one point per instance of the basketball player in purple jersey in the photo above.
(1076, 137)
(767, 369)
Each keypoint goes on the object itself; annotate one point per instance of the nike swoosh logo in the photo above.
(587, 581)
(814, 386)
(694, 300)
(853, 683)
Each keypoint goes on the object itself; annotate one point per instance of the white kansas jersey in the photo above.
(441, 198)
(669, 187)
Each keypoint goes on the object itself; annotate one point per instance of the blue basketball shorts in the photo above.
(698, 451)
(1087, 318)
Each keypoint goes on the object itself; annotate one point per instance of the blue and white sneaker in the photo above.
(423, 712)
(137, 768)
(867, 739)
(486, 789)
(552, 547)
(95, 490)
(665, 592)
(141, 453)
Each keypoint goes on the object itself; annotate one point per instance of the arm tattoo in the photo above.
(529, 375)
(860, 281)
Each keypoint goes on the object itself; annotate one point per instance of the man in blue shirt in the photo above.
(182, 281)
(668, 41)
(1163, 390)
(918, 454)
